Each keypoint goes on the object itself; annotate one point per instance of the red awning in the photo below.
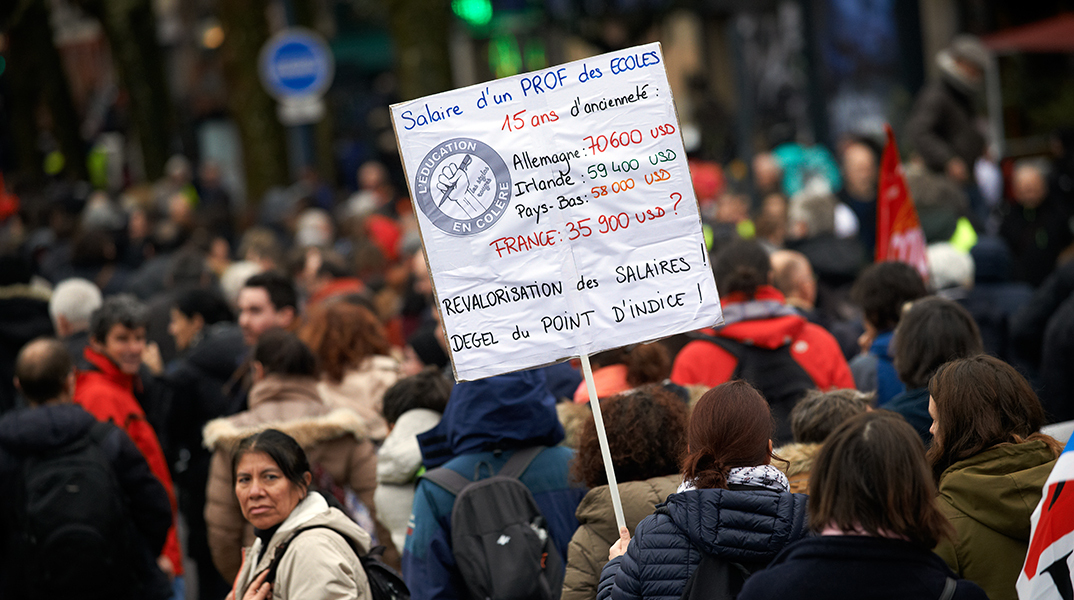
(1055, 34)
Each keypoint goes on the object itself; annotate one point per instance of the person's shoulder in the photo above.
(819, 336)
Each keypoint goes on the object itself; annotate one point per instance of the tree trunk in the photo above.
(264, 147)
(131, 27)
(36, 74)
(420, 29)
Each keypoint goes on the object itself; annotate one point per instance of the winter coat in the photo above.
(852, 567)
(748, 526)
(1029, 325)
(989, 499)
(484, 423)
(318, 564)
(398, 464)
(333, 439)
(913, 405)
(597, 530)
(197, 382)
(1036, 237)
(107, 393)
(23, 317)
(362, 391)
(799, 464)
(1057, 364)
(32, 431)
(941, 126)
(702, 362)
(994, 298)
(875, 370)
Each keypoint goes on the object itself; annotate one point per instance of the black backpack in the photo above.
(715, 579)
(775, 373)
(499, 538)
(73, 538)
(384, 582)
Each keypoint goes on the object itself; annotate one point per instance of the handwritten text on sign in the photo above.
(557, 213)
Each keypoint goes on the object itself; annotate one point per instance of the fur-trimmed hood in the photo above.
(800, 457)
(302, 416)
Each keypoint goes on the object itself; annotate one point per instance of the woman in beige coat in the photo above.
(315, 548)
(352, 353)
(284, 397)
(646, 435)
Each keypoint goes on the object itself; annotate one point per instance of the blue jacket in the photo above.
(913, 405)
(852, 567)
(746, 526)
(874, 370)
(484, 423)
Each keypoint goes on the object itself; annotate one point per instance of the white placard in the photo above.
(557, 213)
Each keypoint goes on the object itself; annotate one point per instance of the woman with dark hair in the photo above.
(933, 331)
(284, 395)
(646, 435)
(762, 340)
(990, 461)
(352, 350)
(271, 480)
(871, 507)
(732, 507)
(626, 368)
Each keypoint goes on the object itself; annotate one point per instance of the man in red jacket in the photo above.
(105, 386)
(763, 340)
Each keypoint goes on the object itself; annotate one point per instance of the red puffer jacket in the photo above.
(108, 394)
(764, 322)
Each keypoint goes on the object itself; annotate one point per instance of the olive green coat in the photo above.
(989, 498)
(597, 531)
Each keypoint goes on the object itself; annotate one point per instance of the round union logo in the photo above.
(463, 186)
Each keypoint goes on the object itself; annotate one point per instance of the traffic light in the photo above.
(475, 13)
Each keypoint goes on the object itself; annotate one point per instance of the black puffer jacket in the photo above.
(743, 525)
(32, 431)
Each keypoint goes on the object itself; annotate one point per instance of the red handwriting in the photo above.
(517, 121)
(615, 139)
(662, 130)
(617, 186)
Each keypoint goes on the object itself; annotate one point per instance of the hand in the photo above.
(619, 547)
(164, 562)
(151, 358)
(258, 590)
(956, 169)
(451, 176)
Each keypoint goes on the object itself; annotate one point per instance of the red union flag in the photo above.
(898, 230)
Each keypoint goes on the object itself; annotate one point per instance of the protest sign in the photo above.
(557, 213)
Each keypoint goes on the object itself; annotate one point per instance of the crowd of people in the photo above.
(235, 379)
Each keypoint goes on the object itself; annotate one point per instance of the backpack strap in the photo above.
(277, 555)
(453, 482)
(520, 461)
(949, 589)
(447, 479)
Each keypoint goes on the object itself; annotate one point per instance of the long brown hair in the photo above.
(730, 426)
(871, 475)
(982, 402)
(342, 335)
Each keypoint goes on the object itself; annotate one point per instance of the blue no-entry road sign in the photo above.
(296, 63)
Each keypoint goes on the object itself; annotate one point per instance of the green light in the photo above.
(475, 13)
(504, 57)
(535, 57)
(3, 65)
